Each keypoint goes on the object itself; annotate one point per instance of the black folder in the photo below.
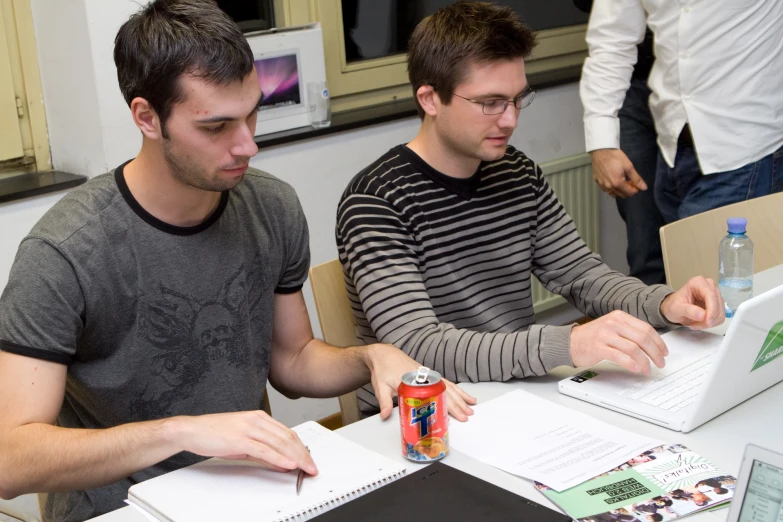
(439, 492)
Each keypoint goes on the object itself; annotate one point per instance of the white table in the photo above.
(722, 440)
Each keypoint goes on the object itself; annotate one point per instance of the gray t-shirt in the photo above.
(153, 320)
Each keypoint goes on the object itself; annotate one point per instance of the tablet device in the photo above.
(758, 496)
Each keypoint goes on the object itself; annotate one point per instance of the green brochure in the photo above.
(661, 484)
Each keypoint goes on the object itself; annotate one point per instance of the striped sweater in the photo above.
(441, 267)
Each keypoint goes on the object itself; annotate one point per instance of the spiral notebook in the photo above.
(241, 491)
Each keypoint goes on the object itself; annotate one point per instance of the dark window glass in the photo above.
(250, 15)
(378, 28)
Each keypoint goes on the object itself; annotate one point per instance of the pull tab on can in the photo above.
(422, 374)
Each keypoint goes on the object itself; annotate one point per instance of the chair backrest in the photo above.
(336, 319)
(265, 405)
(690, 246)
(42, 503)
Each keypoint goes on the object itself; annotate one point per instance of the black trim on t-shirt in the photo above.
(464, 188)
(35, 353)
(285, 290)
(119, 177)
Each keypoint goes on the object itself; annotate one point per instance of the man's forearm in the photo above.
(322, 370)
(44, 458)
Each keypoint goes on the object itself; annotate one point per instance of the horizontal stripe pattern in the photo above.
(446, 278)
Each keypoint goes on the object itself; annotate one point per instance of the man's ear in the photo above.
(146, 119)
(428, 99)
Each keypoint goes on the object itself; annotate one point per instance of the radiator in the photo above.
(572, 180)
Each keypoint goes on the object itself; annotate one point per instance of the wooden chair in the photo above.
(266, 406)
(42, 503)
(336, 319)
(690, 246)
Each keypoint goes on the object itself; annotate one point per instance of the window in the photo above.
(365, 40)
(24, 146)
(250, 15)
(377, 29)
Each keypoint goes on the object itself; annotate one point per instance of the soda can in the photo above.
(424, 420)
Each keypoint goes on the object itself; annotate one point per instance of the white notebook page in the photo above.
(239, 491)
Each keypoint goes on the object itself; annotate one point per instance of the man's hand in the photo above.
(697, 305)
(615, 174)
(620, 338)
(388, 364)
(249, 435)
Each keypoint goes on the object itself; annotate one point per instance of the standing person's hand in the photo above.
(248, 435)
(388, 364)
(615, 174)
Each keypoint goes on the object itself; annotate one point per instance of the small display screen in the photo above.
(279, 81)
(763, 500)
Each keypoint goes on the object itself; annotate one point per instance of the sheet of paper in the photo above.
(523, 434)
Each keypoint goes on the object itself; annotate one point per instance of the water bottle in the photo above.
(736, 265)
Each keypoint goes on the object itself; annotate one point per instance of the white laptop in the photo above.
(705, 374)
(758, 496)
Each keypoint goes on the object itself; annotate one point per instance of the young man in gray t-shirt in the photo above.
(147, 309)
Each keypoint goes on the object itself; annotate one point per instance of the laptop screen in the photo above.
(763, 500)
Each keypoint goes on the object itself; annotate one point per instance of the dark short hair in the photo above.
(444, 43)
(170, 38)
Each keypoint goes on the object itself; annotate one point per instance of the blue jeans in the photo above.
(640, 212)
(683, 191)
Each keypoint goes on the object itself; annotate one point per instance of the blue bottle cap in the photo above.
(737, 225)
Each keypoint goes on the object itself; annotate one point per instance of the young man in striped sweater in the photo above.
(439, 237)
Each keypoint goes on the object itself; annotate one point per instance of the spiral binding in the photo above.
(318, 509)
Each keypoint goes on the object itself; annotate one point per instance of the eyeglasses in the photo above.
(498, 106)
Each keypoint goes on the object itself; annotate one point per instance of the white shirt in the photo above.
(718, 67)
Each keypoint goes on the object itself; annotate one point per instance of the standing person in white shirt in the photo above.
(635, 197)
(717, 97)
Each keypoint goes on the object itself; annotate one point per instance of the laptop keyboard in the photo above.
(673, 391)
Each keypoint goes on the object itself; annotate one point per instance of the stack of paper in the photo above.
(568, 454)
(540, 440)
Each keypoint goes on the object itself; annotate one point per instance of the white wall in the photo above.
(92, 132)
(121, 139)
(68, 81)
(87, 117)
(16, 220)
